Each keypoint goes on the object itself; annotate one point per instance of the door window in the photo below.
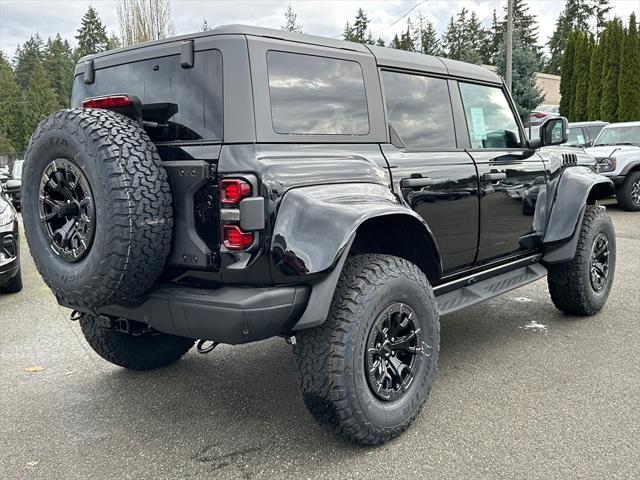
(576, 137)
(419, 110)
(490, 120)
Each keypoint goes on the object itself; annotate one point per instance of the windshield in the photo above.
(629, 135)
(17, 169)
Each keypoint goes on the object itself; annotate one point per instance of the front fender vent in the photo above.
(569, 160)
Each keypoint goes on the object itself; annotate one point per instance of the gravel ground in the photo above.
(522, 392)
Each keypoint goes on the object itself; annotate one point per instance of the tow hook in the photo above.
(203, 348)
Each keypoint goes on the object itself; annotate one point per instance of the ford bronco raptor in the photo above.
(244, 183)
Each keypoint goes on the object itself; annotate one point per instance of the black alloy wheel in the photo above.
(394, 348)
(635, 192)
(599, 262)
(67, 209)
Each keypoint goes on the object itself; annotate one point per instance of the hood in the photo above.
(605, 152)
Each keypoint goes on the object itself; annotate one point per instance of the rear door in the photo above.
(434, 174)
(510, 174)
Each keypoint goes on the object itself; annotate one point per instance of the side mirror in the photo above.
(554, 131)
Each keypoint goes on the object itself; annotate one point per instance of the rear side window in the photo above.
(313, 95)
(186, 102)
(419, 110)
(490, 120)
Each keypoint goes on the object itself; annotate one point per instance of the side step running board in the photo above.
(483, 290)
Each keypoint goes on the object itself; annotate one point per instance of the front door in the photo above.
(435, 177)
(510, 175)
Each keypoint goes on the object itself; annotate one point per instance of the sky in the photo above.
(19, 19)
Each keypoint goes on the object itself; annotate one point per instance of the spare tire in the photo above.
(96, 207)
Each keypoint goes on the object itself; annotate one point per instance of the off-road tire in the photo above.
(132, 198)
(569, 283)
(624, 192)
(330, 358)
(14, 285)
(143, 352)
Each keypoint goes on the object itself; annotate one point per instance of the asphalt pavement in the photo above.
(522, 391)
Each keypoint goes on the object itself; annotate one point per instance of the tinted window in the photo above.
(490, 121)
(316, 95)
(419, 110)
(576, 137)
(187, 100)
(594, 131)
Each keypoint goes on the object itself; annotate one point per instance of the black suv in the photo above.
(243, 183)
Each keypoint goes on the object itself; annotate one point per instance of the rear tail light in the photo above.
(232, 190)
(538, 115)
(106, 102)
(235, 239)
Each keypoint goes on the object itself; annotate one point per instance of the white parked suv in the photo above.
(617, 151)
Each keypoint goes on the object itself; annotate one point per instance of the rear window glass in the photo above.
(419, 110)
(186, 102)
(313, 95)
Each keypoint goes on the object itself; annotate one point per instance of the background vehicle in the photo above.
(583, 134)
(617, 151)
(341, 195)
(543, 112)
(10, 275)
(13, 185)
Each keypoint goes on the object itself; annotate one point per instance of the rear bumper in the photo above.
(230, 315)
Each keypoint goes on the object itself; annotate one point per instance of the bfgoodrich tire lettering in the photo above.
(572, 288)
(331, 358)
(133, 215)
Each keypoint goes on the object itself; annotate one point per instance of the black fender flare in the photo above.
(630, 166)
(576, 187)
(314, 230)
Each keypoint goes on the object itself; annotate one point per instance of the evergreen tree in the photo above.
(525, 26)
(406, 40)
(205, 27)
(380, 42)
(395, 42)
(291, 21)
(11, 108)
(600, 9)
(566, 76)
(429, 43)
(581, 65)
(629, 79)
(450, 40)
(473, 40)
(92, 34)
(359, 32)
(27, 55)
(574, 16)
(491, 45)
(113, 42)
(59, 64)
(611, 71)
(40, 100)
(595, 79)
(524, 89)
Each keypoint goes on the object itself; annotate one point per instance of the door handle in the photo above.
(494, 176)
(415, 182)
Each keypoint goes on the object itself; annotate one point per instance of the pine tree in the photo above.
(473, 40)
(600, 9)
(574, 16)
(11, 108)
(92, 35)
(525, 26)
(395, 42)
(59, 64)
(525, 91)
(429, 43)
(406, 40)
(450, 40)
(491, 46)
(40, 100)
(291, 21)
(27, 55)
(595, 79)
(629, 79)
(359, 32)
(205, 27)
(380, 42)
(566, 76)
(113, 42)
(611, 71)
(581, 65)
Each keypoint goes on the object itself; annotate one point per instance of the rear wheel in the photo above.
(366, 372)
(628, 194)
(138, 350)
(582, 286)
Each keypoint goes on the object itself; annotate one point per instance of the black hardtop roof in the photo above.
(388, 57)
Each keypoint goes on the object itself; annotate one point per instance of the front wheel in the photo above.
(582, 285)
(628, 194)
(366, 372)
